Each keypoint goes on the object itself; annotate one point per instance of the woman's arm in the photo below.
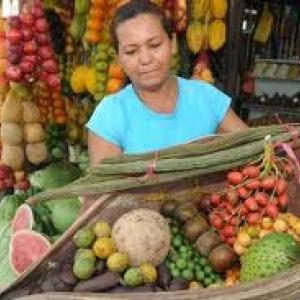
(231, 123)
(99, 149)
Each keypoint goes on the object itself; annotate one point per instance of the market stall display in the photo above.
(202, 217)
(198, 233)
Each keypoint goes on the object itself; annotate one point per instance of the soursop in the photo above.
(274, 253)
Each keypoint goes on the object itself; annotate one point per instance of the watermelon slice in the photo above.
(23, 218)
(26, 248)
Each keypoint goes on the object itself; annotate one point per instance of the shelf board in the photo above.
(276, 79)
(270, 108)
(278, 61)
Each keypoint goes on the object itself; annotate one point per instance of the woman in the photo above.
(157, 110)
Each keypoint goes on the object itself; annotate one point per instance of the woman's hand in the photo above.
(231, 123)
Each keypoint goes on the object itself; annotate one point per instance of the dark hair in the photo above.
(132, 9)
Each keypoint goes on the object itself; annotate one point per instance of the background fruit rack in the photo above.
(270, 61)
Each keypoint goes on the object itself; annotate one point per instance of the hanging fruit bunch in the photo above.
(207, 29)
(95, 20)
(217, 27)
(3, 57)
(177, 12)
(254, 192)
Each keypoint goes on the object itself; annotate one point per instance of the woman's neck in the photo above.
(163, 99)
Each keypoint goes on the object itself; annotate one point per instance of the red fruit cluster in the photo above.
(30, 55)
(247, 199)
(7, 180)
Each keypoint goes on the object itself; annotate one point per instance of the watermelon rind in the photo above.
(23, 253)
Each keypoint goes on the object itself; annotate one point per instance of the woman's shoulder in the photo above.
(116, 99)
(195, 84)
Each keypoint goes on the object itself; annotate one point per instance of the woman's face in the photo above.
(145, 51)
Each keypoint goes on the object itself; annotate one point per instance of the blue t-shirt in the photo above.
(124, 120)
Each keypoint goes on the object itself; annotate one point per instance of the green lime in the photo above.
(181, 264)
(203, 261)
(208, 270)
(187, 274)
(174, 230)
(175, 273)
(191, 265)
(200, 275)
(207, 281)
(189, 254)
(172, 265)
(183, 249)
(177, 241)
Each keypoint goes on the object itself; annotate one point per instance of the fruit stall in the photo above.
(215, 219)
(270, 71)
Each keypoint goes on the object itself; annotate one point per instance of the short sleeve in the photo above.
(106, 121)
(220, 102)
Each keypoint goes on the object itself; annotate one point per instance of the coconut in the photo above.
(144, 235)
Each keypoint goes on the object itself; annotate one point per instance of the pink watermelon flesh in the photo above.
(23, 218)
(26, 248)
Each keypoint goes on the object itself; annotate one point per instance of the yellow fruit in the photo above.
(104, 247)
(77, 81)
(102, 229)
(244, 239)
(239, 249)
(195, 36)
(267, 223)
(219, 8)
(280, 225)
(199, 8)
(216, 35)
(117, 262)
(149, 273)
(194, 285)
(90, 80)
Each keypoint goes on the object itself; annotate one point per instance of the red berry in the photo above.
(235, 177)
(261, 198)
(215, 199)
(272, 210)
(283, 200)
(251, 204)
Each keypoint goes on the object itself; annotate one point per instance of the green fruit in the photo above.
(102, 56)
(133, 277)
(208, 270)
(103, 47)
(117, 262)
(203, 261)
(85, 253)
(181, 264)
(102, 229)
(83, 268)
(84, 237)
(177, 241)
(272, 254)
(187, 274)
(175, 273)
(65, 213)
(101, 77)
(101, 66)
(207, 281)
(200, 275)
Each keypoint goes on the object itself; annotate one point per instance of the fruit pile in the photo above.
(253, 192)
(30, 54)
(185, 262)
(249, 234)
